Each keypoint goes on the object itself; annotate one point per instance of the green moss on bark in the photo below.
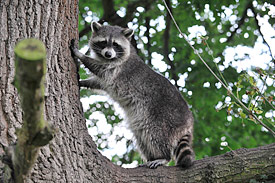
(30, 70)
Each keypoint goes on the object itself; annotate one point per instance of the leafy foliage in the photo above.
(212, 27)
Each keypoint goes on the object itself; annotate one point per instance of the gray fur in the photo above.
(156, 112)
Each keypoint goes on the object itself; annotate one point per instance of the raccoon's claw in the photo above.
(154, 164)
(72, 45)
(73, 53)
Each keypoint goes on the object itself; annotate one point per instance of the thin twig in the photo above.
(260, 92)
(259, 28)
(229, 91)
(267, 101)
(216, 63)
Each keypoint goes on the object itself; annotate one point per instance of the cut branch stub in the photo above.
(30, 67)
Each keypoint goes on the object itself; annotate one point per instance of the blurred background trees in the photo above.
(234, 37)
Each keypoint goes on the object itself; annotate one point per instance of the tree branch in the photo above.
(30, 66)
(84, 31)
(242, 165)
(110, 14)
(259, 28)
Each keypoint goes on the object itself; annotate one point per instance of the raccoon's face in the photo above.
(110, 43)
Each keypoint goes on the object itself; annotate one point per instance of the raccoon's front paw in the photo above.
(74, 51)
(72, 46)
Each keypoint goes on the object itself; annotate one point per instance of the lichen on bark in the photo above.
(30, 70)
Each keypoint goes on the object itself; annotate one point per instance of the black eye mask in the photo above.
(100, 45)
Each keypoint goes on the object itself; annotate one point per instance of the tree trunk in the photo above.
(72, 156)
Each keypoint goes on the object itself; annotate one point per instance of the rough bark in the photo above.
(72, 155)
(54, 23)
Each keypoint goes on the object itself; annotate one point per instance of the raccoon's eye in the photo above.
(115, 44)
(101, 44)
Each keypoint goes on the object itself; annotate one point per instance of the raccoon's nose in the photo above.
(108, 54)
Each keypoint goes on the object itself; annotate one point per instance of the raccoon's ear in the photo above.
(128, 33)
(95, 26)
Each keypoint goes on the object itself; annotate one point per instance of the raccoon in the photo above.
(156, 112)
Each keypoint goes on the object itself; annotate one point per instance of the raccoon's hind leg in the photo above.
(155, 163)
(184, 154)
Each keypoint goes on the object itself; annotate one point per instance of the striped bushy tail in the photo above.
(184, 154)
